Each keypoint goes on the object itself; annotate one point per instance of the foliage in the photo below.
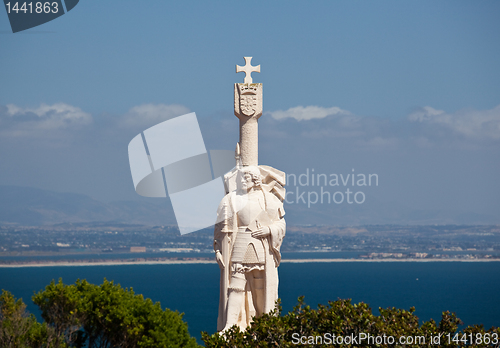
(18, 329)
(106, 315)
(342, 318)
(87, 315)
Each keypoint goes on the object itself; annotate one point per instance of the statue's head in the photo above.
(250, 177)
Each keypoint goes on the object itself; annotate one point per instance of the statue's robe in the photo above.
(225, 234)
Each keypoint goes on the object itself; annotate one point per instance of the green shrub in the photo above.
(17, 328)
(93, 316)
(325, 326)
(106, 315)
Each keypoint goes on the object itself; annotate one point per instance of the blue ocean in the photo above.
(470, 289)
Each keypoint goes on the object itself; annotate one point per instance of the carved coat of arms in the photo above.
(248, 104)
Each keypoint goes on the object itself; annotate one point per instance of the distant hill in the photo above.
(32, 206)
(378, 213)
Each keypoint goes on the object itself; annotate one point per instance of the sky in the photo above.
(409, 91)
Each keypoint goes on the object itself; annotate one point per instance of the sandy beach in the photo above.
(194, 261)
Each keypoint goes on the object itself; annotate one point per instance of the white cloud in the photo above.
(379, 141)
(302, 113)
(477, 124)
(335, 124)
(150, 114)
(426, 127)
(18, 121)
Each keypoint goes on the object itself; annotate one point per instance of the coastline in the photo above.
(203, 261)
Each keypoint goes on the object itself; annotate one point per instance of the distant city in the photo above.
(368, 242)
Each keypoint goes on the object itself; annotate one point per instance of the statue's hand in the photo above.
(218, 257)
(261, 232)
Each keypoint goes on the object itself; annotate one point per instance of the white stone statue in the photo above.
(250, 223)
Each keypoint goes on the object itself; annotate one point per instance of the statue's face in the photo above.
(247, 181)
(249, 177)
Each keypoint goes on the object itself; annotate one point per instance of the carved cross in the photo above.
(248, 69)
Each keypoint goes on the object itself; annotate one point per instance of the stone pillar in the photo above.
(248, 108)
